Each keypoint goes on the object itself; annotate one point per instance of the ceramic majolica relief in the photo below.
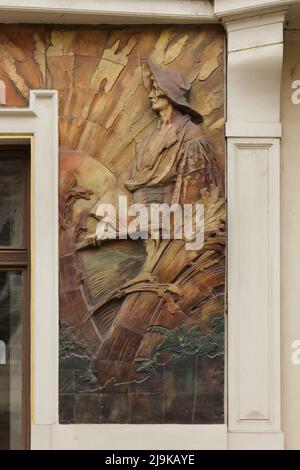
(141, 120)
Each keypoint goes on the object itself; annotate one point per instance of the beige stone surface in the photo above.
(290, 236)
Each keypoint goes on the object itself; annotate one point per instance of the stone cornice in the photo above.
(107, 12)
(134, 11)
(227, 9)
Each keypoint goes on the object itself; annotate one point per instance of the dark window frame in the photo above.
(18, 259)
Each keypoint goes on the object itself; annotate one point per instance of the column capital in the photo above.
(255, 53)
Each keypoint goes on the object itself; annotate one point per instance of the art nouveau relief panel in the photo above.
(141, 304)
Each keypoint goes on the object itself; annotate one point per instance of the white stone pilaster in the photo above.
(253, 130)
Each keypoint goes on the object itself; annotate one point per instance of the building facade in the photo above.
(117, 330)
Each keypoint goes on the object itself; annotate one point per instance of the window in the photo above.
(14, 296)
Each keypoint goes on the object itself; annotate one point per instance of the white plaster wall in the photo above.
(290, 240)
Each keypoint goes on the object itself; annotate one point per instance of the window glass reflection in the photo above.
(11, 360)
(11, 202)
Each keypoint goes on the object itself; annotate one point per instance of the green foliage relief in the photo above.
(182, 341)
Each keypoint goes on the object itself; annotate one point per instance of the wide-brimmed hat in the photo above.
(176, 88)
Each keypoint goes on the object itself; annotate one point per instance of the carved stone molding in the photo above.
(37, 125)
(244, 8)
(255, 51)
(114, 11)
